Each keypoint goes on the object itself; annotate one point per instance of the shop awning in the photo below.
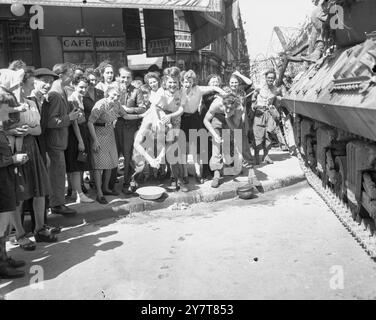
(207, 27)
(141, 62)
(190, 5)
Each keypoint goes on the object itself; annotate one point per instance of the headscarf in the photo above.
(11, 80)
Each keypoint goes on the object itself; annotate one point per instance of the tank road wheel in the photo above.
(340, 166)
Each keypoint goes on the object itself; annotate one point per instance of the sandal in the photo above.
(25, 243)
(45, 235)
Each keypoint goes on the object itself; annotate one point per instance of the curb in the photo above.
(90, 213)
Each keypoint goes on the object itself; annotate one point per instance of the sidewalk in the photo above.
(284, 172)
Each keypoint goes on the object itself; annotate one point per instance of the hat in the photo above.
(45, 72)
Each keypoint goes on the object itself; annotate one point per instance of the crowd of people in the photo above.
(58, 126)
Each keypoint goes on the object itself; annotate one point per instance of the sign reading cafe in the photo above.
(91, 44)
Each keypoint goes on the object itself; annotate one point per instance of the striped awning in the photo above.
(190, 5)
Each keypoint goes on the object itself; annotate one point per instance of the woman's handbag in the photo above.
(82, 156)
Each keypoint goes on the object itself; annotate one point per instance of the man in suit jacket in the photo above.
(55, 121)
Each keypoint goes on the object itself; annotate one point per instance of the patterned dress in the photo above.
(103, 115)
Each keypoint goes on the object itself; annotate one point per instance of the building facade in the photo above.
(88, 35)
(223, 56)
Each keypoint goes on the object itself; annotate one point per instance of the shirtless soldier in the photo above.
(227, 113)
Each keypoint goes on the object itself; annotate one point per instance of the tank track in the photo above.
(361, 234)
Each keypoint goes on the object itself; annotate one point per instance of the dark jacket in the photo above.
(55, 119)
(132, 98)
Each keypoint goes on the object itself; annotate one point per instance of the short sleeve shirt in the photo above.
(193, 99)
(168, 102)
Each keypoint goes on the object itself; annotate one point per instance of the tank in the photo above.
(333, 106)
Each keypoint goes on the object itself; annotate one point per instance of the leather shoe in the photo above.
(7, 272)
(63, 210)
(102, 200)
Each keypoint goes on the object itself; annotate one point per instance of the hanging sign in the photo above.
(160, 47)
(110, 44)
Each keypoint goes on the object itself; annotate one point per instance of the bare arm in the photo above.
(244, 78)
(93, 135)
(207, 121)
(128, 116)
(210, 89)
(177, 113)
(77, 133)
(95, 113)
(34, 131)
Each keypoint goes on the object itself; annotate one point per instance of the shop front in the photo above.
(89, 34)
(17, 39)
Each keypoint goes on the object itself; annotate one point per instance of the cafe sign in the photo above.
(78, 44)
(110, 44)
(160, 47)
(91, 44)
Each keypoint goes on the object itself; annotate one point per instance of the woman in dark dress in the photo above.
(8, 189)
(78, 153)
(34, 172)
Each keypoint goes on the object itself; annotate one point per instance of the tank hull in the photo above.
(334, 108)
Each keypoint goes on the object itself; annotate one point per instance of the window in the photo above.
(16, 43)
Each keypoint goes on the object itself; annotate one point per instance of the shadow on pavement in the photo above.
(55, 259)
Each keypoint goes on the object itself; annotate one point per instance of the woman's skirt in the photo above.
(192, 121)
(34, 171)
(71, 154)
(107, 156)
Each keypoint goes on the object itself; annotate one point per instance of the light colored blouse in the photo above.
(193, 99)
(102, 86)
(167, 101)
(31, 116)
